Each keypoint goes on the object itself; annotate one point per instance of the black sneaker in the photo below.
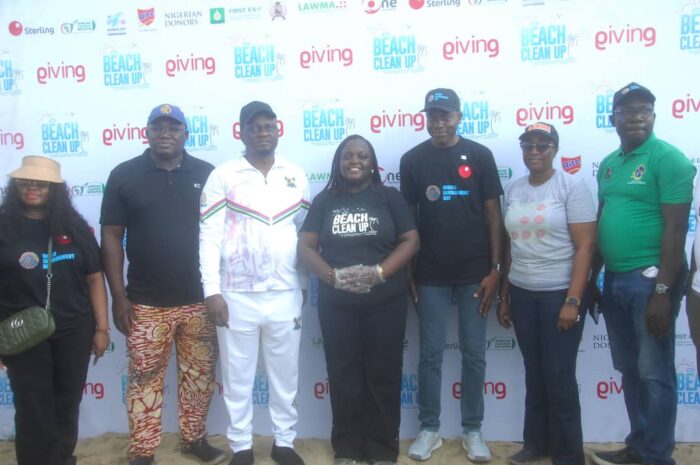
(525, 457)
(143, 460)
(203, 451)
(285, 456)
(242, 457)
(617, 457)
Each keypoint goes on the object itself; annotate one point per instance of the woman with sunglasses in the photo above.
(550, 218)
(47, 380)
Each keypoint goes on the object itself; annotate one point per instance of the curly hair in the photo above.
(62, 217)
(336, 182)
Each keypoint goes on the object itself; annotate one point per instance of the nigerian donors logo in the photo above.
(690, 27)
(62, 138)
(546, 43)
(324, 124)
(201, 133)
(124, 70)
(254, 62)
(397, 53)
(478, 119)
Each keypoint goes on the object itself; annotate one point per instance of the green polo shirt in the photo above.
(632, 186)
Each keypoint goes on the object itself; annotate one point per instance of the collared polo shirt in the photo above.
(632, 186)
(160, 210)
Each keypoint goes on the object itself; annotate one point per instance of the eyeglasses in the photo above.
(157, 129)
(266, 128)
(629, 112)
(27, 183)
(541, 147)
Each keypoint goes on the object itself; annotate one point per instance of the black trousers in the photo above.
(364, 359)
(47, 382)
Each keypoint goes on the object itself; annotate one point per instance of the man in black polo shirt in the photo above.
(453, 186)
(154, 198)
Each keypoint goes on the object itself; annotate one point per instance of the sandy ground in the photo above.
(110, 449)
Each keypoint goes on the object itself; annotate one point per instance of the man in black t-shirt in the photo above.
(154, 198)
(453, 186)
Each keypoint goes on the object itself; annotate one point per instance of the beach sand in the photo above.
(110, 449)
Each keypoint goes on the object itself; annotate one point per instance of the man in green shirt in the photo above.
(644, 192)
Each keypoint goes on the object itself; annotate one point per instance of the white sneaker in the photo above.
(424, 445)
(477, 450)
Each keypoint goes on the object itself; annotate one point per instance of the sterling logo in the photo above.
(16, 323)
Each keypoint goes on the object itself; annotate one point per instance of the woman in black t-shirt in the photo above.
(358, 238)
(47, 380)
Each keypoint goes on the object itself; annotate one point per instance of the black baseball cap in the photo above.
(544, 129)
(630, 90)
(442, 99)
(253, 108)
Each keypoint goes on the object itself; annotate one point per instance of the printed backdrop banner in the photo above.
(78, 79)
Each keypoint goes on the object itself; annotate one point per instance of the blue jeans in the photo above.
(646, 362)
(433, 307)
(552, 409)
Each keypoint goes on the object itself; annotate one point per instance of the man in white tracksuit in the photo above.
(251, 210)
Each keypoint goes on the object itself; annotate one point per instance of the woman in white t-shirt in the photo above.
(692, 303)
(550, 218)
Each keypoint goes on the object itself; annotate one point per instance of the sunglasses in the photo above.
(27, 183)
(541, 147)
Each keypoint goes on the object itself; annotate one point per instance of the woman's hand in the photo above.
(568, 317)
(503, 314)
(352, 279)
(100, 343)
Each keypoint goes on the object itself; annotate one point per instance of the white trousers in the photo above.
(271, 320)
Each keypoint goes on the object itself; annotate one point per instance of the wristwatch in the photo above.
(571, 300)
(661, 289)
(497, 267)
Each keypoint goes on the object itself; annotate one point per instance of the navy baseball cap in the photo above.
(253, 108)
(442, 99)
(544, 129)
(167, 111)
(630, 90)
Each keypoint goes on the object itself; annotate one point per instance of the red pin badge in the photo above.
(465, 171)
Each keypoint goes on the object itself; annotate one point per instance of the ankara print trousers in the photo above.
(149, 344)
